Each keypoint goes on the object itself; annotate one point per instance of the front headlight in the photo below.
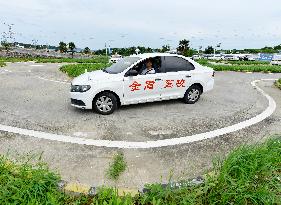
(80, 88)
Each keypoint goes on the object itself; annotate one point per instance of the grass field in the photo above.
(278, 83)
(249, 175)
(97, 59)
(242, 66)
(75, 70)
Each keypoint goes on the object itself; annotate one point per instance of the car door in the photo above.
(142, 88)
(178, 77)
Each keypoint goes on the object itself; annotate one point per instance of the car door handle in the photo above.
(188, 76)
(158, 79)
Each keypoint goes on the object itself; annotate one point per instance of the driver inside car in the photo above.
(148, 68)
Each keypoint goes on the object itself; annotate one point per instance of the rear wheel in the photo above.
(192, 95)
(105, 103)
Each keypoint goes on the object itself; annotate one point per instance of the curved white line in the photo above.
(55, 81)
(3, 71)
(152, 144)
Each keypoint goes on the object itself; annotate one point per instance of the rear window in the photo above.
(175, 64)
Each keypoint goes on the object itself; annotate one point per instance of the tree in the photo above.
(209, 50)
(8, 39)
(5, 44)
(165, 48)
(71, 47)
(62, 47)
(277, 47)
(86, 50)
(183, 47)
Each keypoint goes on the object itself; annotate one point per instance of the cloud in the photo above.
(239, 23)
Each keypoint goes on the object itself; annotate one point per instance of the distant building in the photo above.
(266, 56)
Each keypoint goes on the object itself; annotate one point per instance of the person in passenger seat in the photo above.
(149, 68)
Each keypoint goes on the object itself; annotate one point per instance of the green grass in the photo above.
(13, 59)
(250, 174)
(101, 59)
(205, 62)
(242, 66)
(117, 167)
(2, 64)
(247, 68)
(247, 62)
(75, 70)
(97, 59)
(24, 183)
(278, 83)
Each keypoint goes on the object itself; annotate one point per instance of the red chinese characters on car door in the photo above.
(143, 87)
(177, 78)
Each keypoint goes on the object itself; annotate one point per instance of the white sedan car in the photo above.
(115, 58)
(174, 76)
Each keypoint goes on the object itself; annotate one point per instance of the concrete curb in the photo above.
(73, 188)
(76, 189)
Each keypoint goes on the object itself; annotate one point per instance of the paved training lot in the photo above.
(35, 96)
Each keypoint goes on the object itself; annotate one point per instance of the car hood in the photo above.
(86, 78)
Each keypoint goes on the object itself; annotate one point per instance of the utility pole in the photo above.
(217, 46)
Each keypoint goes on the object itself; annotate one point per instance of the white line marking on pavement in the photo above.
(55, 81)
(153, 144)
(4, 71)
(36, 65)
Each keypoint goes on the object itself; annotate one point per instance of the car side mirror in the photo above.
(132, 73)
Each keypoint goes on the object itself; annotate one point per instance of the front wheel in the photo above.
(105, 103)
(192, 95)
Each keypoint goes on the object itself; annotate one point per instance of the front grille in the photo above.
(77, 102)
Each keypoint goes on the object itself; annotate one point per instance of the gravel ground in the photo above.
(27, 101)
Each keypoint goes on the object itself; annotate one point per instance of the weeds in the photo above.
(2, 63)
(25, 183)
(250, 174)
(117, 167)
(278, 83)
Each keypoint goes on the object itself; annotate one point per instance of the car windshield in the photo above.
(121, 65)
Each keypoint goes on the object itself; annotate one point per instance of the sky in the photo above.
(152, 23)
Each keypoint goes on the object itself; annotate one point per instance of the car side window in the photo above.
(156, 65)
(175, 64)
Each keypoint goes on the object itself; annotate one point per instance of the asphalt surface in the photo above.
(30, 98)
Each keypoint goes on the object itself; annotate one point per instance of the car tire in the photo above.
(192, 95)
(105, 103)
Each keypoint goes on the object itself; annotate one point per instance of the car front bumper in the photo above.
(81, 100)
